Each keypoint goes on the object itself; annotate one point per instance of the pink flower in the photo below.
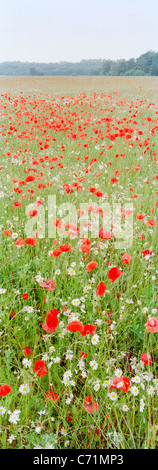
(49, 285)
(104, 234)
(152, 325)
(126, 258)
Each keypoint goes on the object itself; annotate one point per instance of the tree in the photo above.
(34, 71)
(146, 64)
(154, 66)
(106, 67)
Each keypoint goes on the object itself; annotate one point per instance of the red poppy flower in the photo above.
(27, 351)
(146, 253)
(22, 183)
(114, 273)
(40, 368)
(114, 181)
(25, 296)
(66, 187)
(12, 314)
(83, 355)
(75, 325)
(140, 216)
(59, 224)
(42, 372)
(54, 312)
(30, 241)
(38, 203)
(99, 193)
(70, 417)
(51, 322)
(90, 405)
(85, 249)
(39, 364)
(17, 204)
(104, 234)
(7, 232)
(17, 190)
(33, 212)
(146, 359)
(88, 329)
(91, 265)
(41, 186)
(29, 179)
(65, 247)
(4, 390)
(126, 258)
(101, 288)
(86, 241)
(56, 253)
(19, 241)
(51, 396)
(121, 383)
(150, 223)
(92, 190)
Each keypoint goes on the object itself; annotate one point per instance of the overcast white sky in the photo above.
(71, 30)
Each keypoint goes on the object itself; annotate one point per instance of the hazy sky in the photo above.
(71, 30)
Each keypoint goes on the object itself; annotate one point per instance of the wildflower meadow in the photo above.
(78, 263)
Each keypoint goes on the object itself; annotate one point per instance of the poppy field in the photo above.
(78, 263)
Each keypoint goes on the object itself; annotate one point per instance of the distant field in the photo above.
(73, 85)
(78, 262)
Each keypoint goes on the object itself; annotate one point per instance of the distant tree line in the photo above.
(146, 64)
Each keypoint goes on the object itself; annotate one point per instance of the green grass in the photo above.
(29, 120)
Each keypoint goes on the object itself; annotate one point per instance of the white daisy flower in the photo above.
(125, 408)
(97, 387)
(93, 364)
(24, 389)
(142, 405)
(134, 390)
(118, 372)
(95, 339)
(2, 410)
(112, 396)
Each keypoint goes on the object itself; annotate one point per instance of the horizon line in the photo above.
(77, 61)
